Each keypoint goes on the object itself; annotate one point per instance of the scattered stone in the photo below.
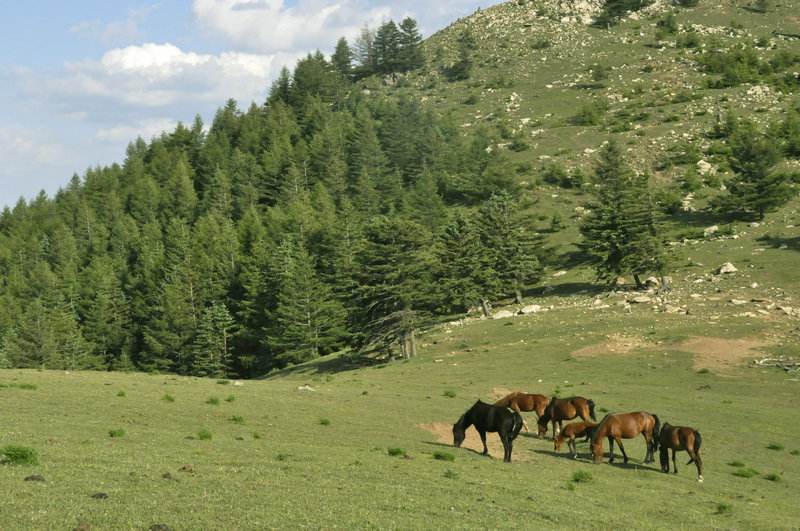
(673, 309)
(100, 496)
(709, 231)
(619, 281)
(652, 282)
(559, 274)
(503, 314)
(696, 296)
(187, 468)
(726, 269)
(238, 383)
(754, 285)
(532, 308)
(640, 299)
(305, 387)
(704, 168)
(738, 302)
(34, 477)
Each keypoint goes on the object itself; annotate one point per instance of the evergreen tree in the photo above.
(387, 48)
(365, 54)
(308, 321)
(211, 348)
(620, 232)
(342, 59)
(410, 53)
(756, 187)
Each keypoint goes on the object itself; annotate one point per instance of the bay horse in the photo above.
(626, 426)
(570, 433)
(678, 438)
(486, 417)
(561, 409)
(519, 402)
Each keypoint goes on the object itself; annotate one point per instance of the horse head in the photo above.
(459, 432)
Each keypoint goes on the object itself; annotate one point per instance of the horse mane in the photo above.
(599, 426)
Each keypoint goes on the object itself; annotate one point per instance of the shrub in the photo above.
(581, 476)
(230, 398)
(114, 434)
(724, 508)
(168, 398)
(214, 401)
(772, 477)
(256, 435)
(121, 393)
(774, 446)
(450, 474)
(449, 393)
(324, 422)
(237, 419)
(541, 44)
(223, 382)
(18, 455)
(589, 114)
(794, 452)
(204, 435)
(396, 452)
(443, 456)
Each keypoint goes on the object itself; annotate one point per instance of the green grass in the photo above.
(237, 419)
(230, 398)
(772, 477)
(117, 433)
(204, 435)
(443, 456)
(581, 476)
(18, 455)
(168, 398)
(212, 401)
(745, 472)
(449, 393)
(396, 452)
(775, 446)
(121, 393)
(724, 508)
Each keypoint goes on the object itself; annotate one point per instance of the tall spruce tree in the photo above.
(621, 234)
(212, 345)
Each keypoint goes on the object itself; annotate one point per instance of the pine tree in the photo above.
(387, 48)
(620, 233)
(365, 54)
(342, 58)
(756, 187)
(410, 55)
(512, 244)
(211, 348)
(308, 321)
(425, 204)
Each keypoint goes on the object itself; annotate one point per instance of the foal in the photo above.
(570, 433)
(486, 417)
(677, 438)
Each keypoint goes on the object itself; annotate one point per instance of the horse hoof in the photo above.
(700, 479)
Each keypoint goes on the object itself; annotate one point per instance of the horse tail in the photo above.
(656, 432)
(516, 424)
(591, 410)
(698, 441)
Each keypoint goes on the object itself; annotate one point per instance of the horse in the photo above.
(486, 417)
(626, 426)
(677, 438)
(570, 433)
(519, 402)
(561, 409)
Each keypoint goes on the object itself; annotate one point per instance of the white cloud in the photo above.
(146, 129)
(270, 25)
(161, 75)
(116, 31)
(24, 145)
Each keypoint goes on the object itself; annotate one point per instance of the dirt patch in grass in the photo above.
(499, 392)
(721, 353)
(616, 344)
(444, 434)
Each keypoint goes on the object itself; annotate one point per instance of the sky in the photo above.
(81, 79)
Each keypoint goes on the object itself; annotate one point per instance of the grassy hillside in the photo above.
(283, 455)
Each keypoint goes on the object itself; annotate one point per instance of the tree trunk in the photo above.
(485, 307)
(518, 295)
(413, 344)
(638, 281)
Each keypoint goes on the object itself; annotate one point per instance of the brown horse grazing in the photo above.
(519, 402)
(677, 438)
(561, 409)
(626, 426)
(570, 433)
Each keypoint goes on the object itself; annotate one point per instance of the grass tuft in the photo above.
(121, 393)
(581, 476)
(204, 435)
(704, 370)
(450, 474)
(236, 419)
(18, 455)
(324, 422)
(223, 382)
(168, 398)
(256, 435)
(230, 398)
(396, 452)
(213, 401)
(772, 477)
(443, 456)
(745, 472)
(724, 508)
(115, 434)
(736, 464)
(449, 393)
(794, 452)
(775, 446)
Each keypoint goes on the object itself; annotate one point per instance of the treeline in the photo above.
(325, 218)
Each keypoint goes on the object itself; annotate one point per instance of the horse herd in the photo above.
(504, 417)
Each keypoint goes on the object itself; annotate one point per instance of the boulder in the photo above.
(652, 282)
(709, 231)
(726, 269)
(503, 314)
(704, 168)
(619, 281)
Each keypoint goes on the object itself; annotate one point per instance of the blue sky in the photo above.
(80, 79)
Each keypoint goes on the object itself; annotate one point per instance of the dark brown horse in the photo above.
(678, 438)
(570, 433)
(519, 402)
(561, 409)
(486, 417)
(626, 426)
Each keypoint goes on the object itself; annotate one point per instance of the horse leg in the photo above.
(483, 440)
(573, 447)
(611, 449)
(699, 464)
(674, 463)
(622, 449)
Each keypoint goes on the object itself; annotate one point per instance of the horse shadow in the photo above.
(587, 458)
(450, 446)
